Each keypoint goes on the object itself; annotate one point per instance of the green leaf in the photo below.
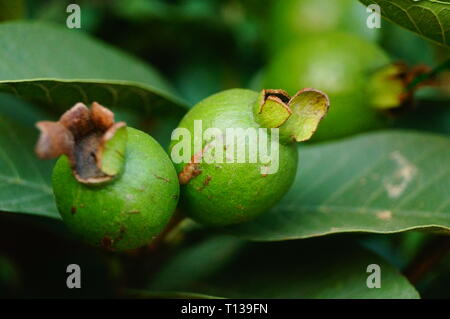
(24, 180)
(412, 49)
(57, 67)
(428, 18)
(322, 268)
(25, 185)
(381, 182)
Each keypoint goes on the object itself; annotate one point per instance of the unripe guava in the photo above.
(123, 201)
(296, 20)
(355, 73)
(224, 192)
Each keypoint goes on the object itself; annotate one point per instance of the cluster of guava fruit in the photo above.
(117, 188)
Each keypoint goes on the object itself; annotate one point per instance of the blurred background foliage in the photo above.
(203, 47)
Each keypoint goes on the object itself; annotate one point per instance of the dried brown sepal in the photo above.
(55, 140)
(81, 134)
(77, 120)
(101, 116)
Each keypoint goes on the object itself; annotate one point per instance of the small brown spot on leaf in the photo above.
(73, 210)
(384, 215)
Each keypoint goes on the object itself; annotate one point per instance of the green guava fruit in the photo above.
(114, 186)
(220, 185)
(356, 74)
(296, 20)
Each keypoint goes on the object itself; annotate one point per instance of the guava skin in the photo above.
(230, 193)
(339, 64)
(127, 212)
(296, 20)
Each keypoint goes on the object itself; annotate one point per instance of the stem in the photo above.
(430, 256)
(146, 261)
(426, 76)
(164, 237)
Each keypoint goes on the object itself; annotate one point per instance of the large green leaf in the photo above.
(24, 180)
(381, 182)
(58, 67)
(428, 18)
(228, 267)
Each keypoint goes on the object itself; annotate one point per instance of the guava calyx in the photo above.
(92, 141)
(272, 108)
(297, 117)
(393, 86)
